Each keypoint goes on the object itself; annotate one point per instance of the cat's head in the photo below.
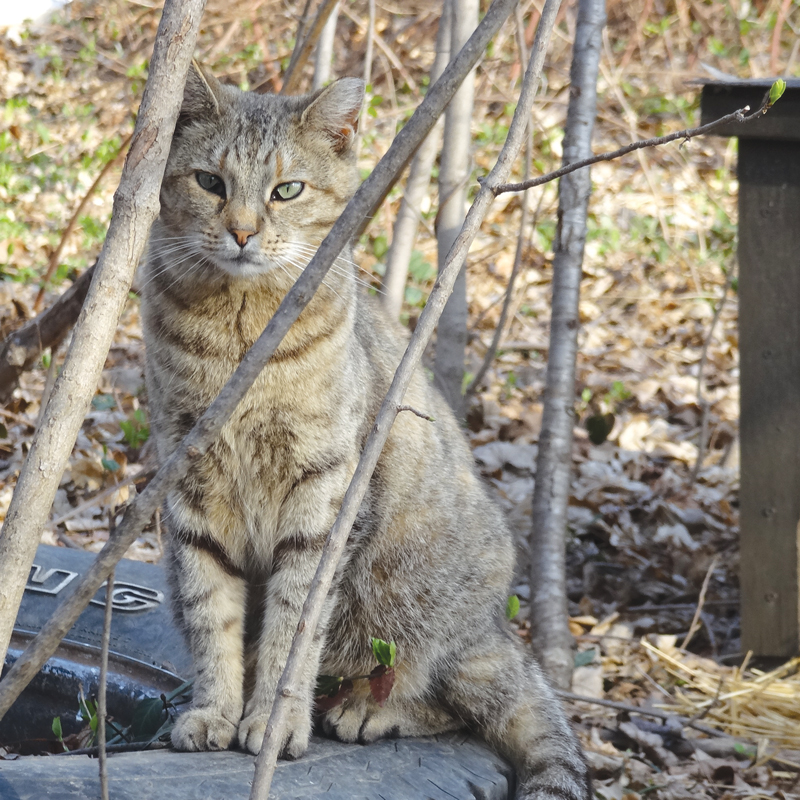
(254, 182)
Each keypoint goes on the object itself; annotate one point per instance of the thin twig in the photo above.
(656, 713)
(200, 438)
(302, 51)
(521, 239)
(143, 474)
(695, 626)
(102, 708)
(386, 50)
(54, 259)
(702, 401)
(415, 411)
(127, 747)
(337, 538)
(689, 133)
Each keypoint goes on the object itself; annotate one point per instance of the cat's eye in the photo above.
(287, 191)
(211, 183)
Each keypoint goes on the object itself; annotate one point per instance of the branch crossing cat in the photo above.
(252, 186)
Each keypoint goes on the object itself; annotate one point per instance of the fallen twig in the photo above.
(683, 722)
(127, 747)
(695, 626)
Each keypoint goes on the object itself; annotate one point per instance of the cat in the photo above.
(252, 185)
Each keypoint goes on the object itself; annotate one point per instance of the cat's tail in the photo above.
(501, 693)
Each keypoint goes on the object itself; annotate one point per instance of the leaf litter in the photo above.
(645, 521)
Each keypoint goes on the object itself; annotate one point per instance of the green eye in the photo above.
(211, 183)
(287, 191)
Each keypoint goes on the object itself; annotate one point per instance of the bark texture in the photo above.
(551, 636)
(451, 338)
(135, 207)
(324, 54)
(21, 350)
(419, 176)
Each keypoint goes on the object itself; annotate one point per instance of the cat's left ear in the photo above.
(335, 110)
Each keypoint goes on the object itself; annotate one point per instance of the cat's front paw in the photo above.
(202, 729)
(295, 737)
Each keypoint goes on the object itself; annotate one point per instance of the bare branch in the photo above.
(702, 400)
(552, 640)
(645, 712)
(404, 233)
(521, 238)
(303, 49)
(102, 707)
(689, 133)
(208, 426)
(337, 538)
(22, 349)
(135, 207)
(54, 259)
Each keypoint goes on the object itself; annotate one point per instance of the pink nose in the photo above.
(241, 236)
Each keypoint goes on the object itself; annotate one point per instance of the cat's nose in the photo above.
(241, 236)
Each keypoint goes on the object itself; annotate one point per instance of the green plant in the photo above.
(135, 429)
(512, 607)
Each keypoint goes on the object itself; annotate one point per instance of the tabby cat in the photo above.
(252, 186)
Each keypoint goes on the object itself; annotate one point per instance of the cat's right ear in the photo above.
(201, 96)
(334, 112)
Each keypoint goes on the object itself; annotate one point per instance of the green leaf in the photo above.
(102, 402)
(512, 607)
(384, 652)
(109, 464)
(148, 716)
(776, 91)
(585, 658)
(3, 431)
(327, 685)
(56, 728)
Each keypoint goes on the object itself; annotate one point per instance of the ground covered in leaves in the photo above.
(653, 513)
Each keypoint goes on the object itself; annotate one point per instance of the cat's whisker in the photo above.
(172, 265)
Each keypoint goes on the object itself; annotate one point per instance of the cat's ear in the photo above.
(201, 96)
(334, 112)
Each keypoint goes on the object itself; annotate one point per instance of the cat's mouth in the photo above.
(243, 265)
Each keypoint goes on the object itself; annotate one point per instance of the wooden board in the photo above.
(769, 343)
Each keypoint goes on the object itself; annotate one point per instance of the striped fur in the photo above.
(430, 558)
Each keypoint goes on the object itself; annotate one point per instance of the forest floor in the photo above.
(653, 514)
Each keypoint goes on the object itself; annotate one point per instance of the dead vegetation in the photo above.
(653, 511)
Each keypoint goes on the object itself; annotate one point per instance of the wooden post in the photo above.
(769, 347)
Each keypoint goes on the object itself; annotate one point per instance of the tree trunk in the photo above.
(404, 234)
(551, 637)
(324, 54)
(135, 207)
(451, 337)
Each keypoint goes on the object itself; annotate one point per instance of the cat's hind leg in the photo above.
(360, 718)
